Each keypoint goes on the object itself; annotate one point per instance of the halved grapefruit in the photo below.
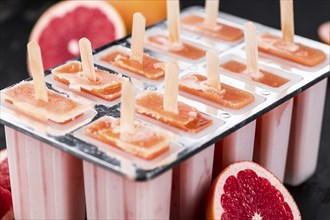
(324, 32)
(245, 190)
(59, 29)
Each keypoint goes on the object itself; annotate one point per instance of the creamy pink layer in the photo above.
(46, 183)
(305, 134)
(111, 196)
(272, 139)
(191, 182)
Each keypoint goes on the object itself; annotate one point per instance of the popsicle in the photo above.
(167, 109)
(208, 25)
(110, 196)
(173, 44)
(211, 89)
(137, 62)
(285, 47)
(272, 137)
(36, 167)
(271, 143)
(127, 135)
(238, 146)
(187, 202)
(87, 78)
(251, 69)
(45, 104)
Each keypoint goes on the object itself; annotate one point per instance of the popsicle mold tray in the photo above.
(71, 138)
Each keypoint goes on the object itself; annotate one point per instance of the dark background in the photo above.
(17, 18)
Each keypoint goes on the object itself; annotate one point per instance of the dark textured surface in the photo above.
(313, 197)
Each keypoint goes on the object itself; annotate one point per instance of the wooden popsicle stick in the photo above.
(287, 21)
(139, 25)
(251, 49)
(173, 21)
(212, 68)
(211, 13)
(86, 55)
(37, 71)
(127, 108)
(171, 87)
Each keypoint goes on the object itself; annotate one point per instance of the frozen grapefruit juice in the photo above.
(220, 31)
(237, 146)
(305, 134)
(191, 179)
(111, 196)
(36, 167)
(181, 50)
(150, 67)
(272, 128)
(306, 127)
(297, 53)
(107, 86)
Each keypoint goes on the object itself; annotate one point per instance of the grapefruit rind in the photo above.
(214, 209)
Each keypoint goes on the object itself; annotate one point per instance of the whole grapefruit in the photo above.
(60, 27)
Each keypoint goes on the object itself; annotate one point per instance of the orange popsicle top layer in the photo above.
(297, 53)
(228, 96)
(225, 32)
(107, 86)
(144, 142)
(149, 68)
(187, 119)
(185, 50)
(268, 79)
(58, 109)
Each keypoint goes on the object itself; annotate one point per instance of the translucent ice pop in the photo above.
(285, 47)
(137, 62)
(173, 44)
(87, 78)
(110, 196)
(209, 26)
(239, 145)
(47, 183)
(187, 202)
(211, 89)
(273, 128)
(306, 124)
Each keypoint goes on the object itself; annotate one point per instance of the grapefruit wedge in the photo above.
(59, 29)
(245, 190)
